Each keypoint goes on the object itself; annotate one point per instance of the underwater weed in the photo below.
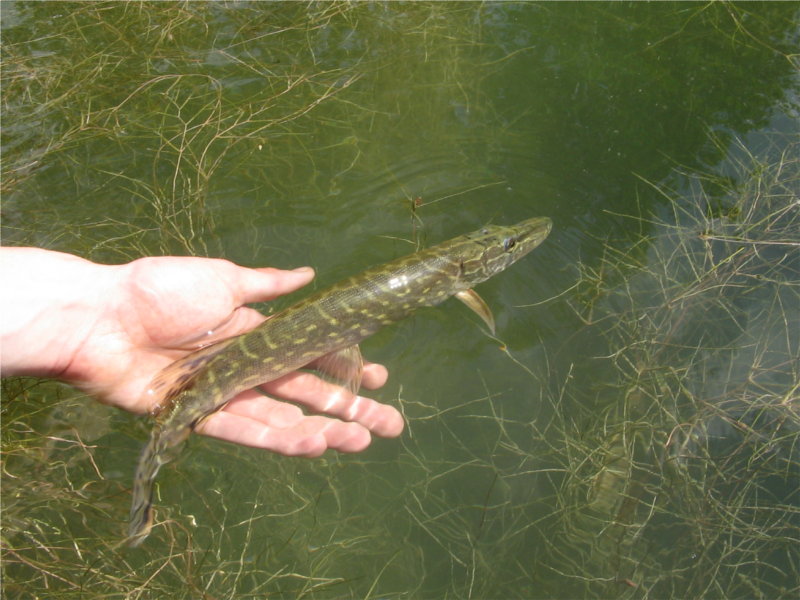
(691, 486)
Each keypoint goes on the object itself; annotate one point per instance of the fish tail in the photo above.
(153, 456)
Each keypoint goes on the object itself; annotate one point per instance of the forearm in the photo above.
(50, 302)
(109, 329)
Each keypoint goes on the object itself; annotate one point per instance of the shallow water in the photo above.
(583, 452)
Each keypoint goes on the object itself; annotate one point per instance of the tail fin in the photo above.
(154, 454)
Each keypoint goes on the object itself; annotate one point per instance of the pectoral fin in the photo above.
(478, 306)
(344, 367)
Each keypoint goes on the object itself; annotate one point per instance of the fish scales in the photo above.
(326, 322)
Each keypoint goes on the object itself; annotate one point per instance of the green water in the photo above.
(632, 432)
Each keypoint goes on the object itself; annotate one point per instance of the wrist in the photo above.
(51, 302)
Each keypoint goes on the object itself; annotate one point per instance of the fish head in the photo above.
(494, 248)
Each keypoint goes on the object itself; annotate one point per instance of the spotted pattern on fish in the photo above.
(327, 322)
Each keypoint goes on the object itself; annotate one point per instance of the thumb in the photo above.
(267, 283)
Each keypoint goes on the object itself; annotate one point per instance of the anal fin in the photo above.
(180, 374)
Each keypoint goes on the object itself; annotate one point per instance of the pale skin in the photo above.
(108, 329)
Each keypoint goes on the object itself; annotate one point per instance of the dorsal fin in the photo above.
(180, 375)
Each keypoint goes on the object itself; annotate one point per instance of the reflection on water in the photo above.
(698, 442)
(634, 428)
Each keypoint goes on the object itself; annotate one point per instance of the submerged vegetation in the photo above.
(689, 483)
(685, 485)
(647, 445)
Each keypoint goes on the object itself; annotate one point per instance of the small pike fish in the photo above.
(325, 329)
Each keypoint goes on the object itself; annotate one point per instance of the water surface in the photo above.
(632, 430)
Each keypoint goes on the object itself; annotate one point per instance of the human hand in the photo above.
(152, 311)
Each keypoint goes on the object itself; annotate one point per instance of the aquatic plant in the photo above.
(690, 486)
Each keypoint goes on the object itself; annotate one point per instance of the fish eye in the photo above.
(509, 243)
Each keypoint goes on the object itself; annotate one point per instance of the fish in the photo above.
(324, 329)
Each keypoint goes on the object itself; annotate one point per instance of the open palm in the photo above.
(164, 307)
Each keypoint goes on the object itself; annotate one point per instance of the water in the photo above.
(580, 453)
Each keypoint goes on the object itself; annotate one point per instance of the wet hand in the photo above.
(127, 322)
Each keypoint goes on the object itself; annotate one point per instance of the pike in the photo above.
(323, 329)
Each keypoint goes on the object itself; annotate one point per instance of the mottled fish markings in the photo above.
(324, 329)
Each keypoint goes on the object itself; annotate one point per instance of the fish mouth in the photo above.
(534, 231)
